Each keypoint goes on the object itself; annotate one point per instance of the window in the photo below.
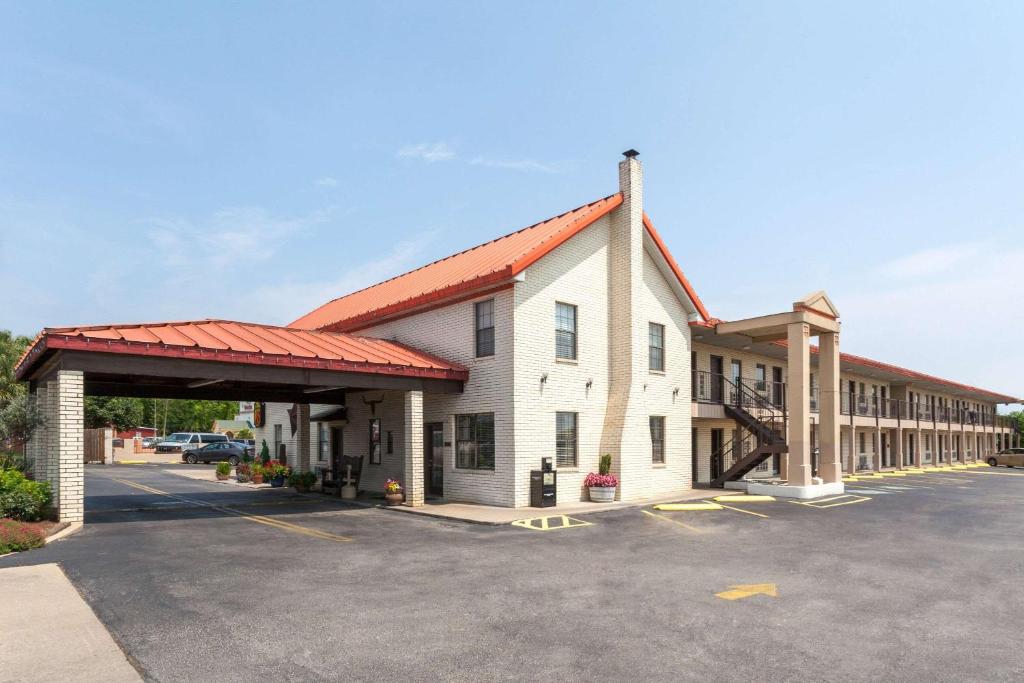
(565, 331)
(657, 440)
(277, 440)
(863, 444)
(656, 340)
(324, 441)
(484, 313)
(565, 439)
(474, 441)
(761, 377)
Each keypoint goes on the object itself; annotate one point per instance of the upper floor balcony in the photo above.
(711, 387)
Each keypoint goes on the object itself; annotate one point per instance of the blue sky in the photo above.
(175, 161)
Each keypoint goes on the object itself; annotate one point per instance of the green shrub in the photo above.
(13, 461)
(20, 497)
(15, 536)
(223, 468)
(605, 465)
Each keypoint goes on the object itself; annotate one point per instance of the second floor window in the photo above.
(565, 331)
(565, 439)
(484, 313)
(656, 342)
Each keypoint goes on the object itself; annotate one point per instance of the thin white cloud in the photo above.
(518, 165)
(327, 181)
(284, 301)
(428, 151)
(935, 261)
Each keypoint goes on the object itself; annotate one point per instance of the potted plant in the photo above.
(603, 484)
(223, 471)
(302, 481)
(243, 473)
(257, 472)
(276, 472)
(393, 492)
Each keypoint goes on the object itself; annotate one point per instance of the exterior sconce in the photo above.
(675, 392)
(544, 378)
(590, 383)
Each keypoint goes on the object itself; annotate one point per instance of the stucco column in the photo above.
(302, 436)
(919, 448)
(70, 452)
(897, 450)
(830, 467)
(413, 448)
(798, 397)
(878, 458)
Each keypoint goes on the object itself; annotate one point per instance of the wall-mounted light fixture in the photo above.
(544, 378)
(590, 383)
(675, 392)
(747, 347)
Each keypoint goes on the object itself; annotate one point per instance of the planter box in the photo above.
(602, 494)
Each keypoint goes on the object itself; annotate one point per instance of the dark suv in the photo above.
(215, 452)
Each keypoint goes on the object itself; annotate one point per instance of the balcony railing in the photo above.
(711, 387)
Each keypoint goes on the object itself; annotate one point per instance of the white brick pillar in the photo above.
(52, 473)
(897, 447)
(830, 467)
(413, 448)
(302, 436)
(71, 448)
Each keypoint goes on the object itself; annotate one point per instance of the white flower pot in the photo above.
(602, 494)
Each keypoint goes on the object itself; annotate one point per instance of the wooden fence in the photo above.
(94, 445)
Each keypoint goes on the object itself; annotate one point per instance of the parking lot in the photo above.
(905, 577)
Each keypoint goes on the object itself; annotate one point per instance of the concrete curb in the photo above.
(69, 530)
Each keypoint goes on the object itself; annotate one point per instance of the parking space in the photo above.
(765, 589)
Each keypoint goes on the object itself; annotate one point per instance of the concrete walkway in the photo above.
(487, 514)
(49, 633)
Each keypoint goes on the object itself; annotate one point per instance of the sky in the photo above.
(248, 161)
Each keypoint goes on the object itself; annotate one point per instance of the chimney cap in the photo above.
(631, 154)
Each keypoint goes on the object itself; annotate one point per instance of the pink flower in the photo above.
(603, 481)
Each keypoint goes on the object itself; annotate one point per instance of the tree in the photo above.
(244, 433)
(119, 413)
(19, 418)
(11, 348)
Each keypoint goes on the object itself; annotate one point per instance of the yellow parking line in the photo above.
(745, 499)
(544, 523)
(1004, 474)
(672, 521)
(746, 512)
(259, 519)
(687, 507)
(817, 504)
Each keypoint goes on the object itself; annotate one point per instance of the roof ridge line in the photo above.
(464, 251)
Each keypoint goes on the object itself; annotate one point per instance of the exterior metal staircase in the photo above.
(763, 423)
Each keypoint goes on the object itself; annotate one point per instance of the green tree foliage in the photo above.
(244, 433)
(191, 416)
(11, 348)
(116, 412)
(19, 418)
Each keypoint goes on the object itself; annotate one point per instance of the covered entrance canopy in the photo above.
(206, 359)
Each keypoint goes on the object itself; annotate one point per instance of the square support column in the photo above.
(413, 448)
(830, 467)
(897, 451)
(70, 415)
(798, 403)
(302, 436)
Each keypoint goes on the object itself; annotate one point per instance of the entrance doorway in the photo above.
(717, 379)
(337, 449)
(717, 437)
(433, 459)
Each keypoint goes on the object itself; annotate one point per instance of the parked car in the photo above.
(248, 444)
(151, 441)
(1009, 457)
(214, 452)
(179, 442)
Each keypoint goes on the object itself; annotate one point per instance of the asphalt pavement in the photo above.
(904, 578)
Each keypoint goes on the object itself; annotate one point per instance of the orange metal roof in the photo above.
(228, 341)
(482, 268)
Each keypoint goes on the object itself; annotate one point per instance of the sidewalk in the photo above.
(487, 514)
(49, 633)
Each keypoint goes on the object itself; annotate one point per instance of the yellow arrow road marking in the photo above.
(259, 519)
(747, 590)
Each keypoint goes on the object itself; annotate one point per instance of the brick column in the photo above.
(878, 458)
(413, 448)
(70, 497)
(302, 436)
(52, 473)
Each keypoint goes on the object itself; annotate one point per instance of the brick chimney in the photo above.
(626, 426)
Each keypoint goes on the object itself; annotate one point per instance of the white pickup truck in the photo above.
(180, 441)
